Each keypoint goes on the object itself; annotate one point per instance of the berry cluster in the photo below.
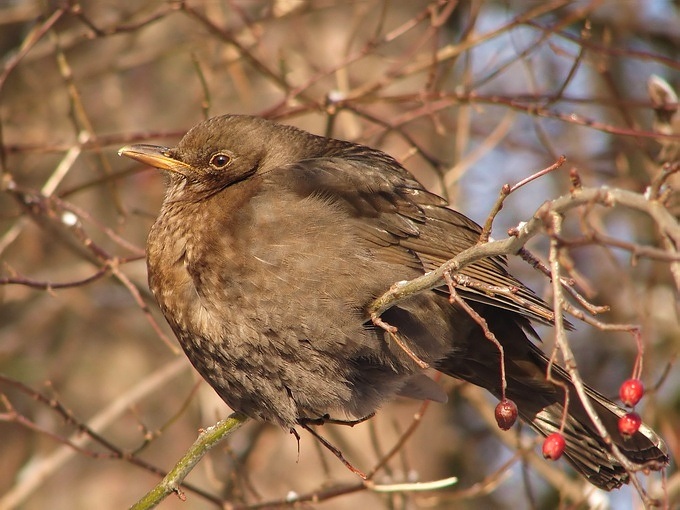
(631, 391)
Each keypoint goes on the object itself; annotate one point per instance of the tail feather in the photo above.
(582, 451)
(585, 449)
(540, 403)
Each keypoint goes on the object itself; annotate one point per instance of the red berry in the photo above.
(506, 413)
(629, 424)
(553, 446)
(631, 392)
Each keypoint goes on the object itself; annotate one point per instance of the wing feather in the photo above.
(406, 224)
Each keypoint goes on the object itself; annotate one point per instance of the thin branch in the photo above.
(43, 467)
(505, 192)
(172, 482)
(570, 364)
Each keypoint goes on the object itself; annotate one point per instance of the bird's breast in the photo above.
(239, 272)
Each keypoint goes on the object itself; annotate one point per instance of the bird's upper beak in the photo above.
(155, 156)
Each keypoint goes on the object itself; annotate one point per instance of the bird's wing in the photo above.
(410, 225)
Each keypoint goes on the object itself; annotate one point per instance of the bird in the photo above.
(270, 247)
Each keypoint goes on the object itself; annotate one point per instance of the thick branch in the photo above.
(666, 223)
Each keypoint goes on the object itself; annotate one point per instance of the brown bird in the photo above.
(271, 245)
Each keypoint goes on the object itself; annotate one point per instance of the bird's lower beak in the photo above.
(155, 156)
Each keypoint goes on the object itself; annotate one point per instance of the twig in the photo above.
(392, 332)
(455, 298)
(335, 451)
(207, 439)
(413, 487)
(506, 190)
(567, 283)
(570, 363)
(45, 466)
(415, 422)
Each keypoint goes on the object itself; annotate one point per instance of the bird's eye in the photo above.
(220, 160)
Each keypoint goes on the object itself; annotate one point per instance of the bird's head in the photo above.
(224, 150)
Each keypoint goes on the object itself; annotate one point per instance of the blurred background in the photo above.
(95, 398)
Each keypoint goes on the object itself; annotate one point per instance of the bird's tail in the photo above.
(585, 449)
(540, 403)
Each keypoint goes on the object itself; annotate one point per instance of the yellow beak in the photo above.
(155, 156)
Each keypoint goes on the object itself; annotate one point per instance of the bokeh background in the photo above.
(469, 95)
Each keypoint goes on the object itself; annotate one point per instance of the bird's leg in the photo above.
(335, 451)
(326, 418)
(297, 438)
(303, 420)
(350, 423)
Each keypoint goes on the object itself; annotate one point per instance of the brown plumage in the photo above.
(272, 243)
